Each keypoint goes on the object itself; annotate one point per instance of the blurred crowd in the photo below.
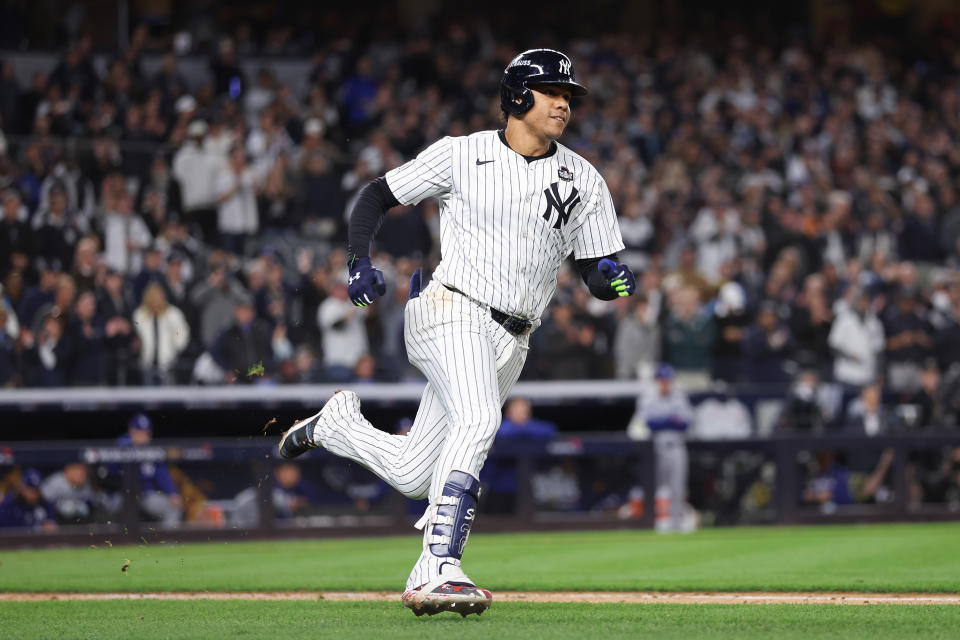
(793, 211)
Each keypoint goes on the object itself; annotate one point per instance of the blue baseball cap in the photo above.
(31, 478)
(665, 372)
(140, 422)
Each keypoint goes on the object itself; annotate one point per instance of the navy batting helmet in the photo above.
(536, 66)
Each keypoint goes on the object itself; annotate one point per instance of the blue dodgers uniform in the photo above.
(153, 477)
(531, 430)
(665, 413)
(502, 478)
(667, 417)
(15, 512)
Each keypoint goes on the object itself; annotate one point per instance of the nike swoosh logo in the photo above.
(449, 563)
(480, 162)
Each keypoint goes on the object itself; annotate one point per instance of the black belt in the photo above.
(514, 324)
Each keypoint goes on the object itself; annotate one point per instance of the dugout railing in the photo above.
(627, 468)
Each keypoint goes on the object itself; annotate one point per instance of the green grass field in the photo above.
(887, 558)
(282, 620)
(896, 558)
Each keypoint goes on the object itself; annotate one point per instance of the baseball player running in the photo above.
(513, 205)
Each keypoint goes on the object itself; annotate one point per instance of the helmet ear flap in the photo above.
(509, 96)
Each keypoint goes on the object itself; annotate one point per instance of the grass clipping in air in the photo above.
(256, 370)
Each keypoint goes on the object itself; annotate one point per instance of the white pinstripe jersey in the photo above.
(506, 224)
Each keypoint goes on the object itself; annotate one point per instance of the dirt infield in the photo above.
(636, 597)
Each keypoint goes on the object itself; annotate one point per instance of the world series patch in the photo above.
(565, 174)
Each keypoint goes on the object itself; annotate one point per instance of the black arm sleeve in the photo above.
(594, 280)
(366, 217)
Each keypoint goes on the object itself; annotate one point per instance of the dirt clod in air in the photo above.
(270, 423)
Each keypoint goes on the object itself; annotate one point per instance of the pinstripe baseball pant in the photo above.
(471, 364)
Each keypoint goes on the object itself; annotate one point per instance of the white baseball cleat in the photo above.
(458, 597)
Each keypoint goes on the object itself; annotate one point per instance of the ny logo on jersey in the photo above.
(565, 67)
(563, 207)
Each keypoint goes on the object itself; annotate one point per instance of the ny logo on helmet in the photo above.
(565, 67)
(563, 207)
